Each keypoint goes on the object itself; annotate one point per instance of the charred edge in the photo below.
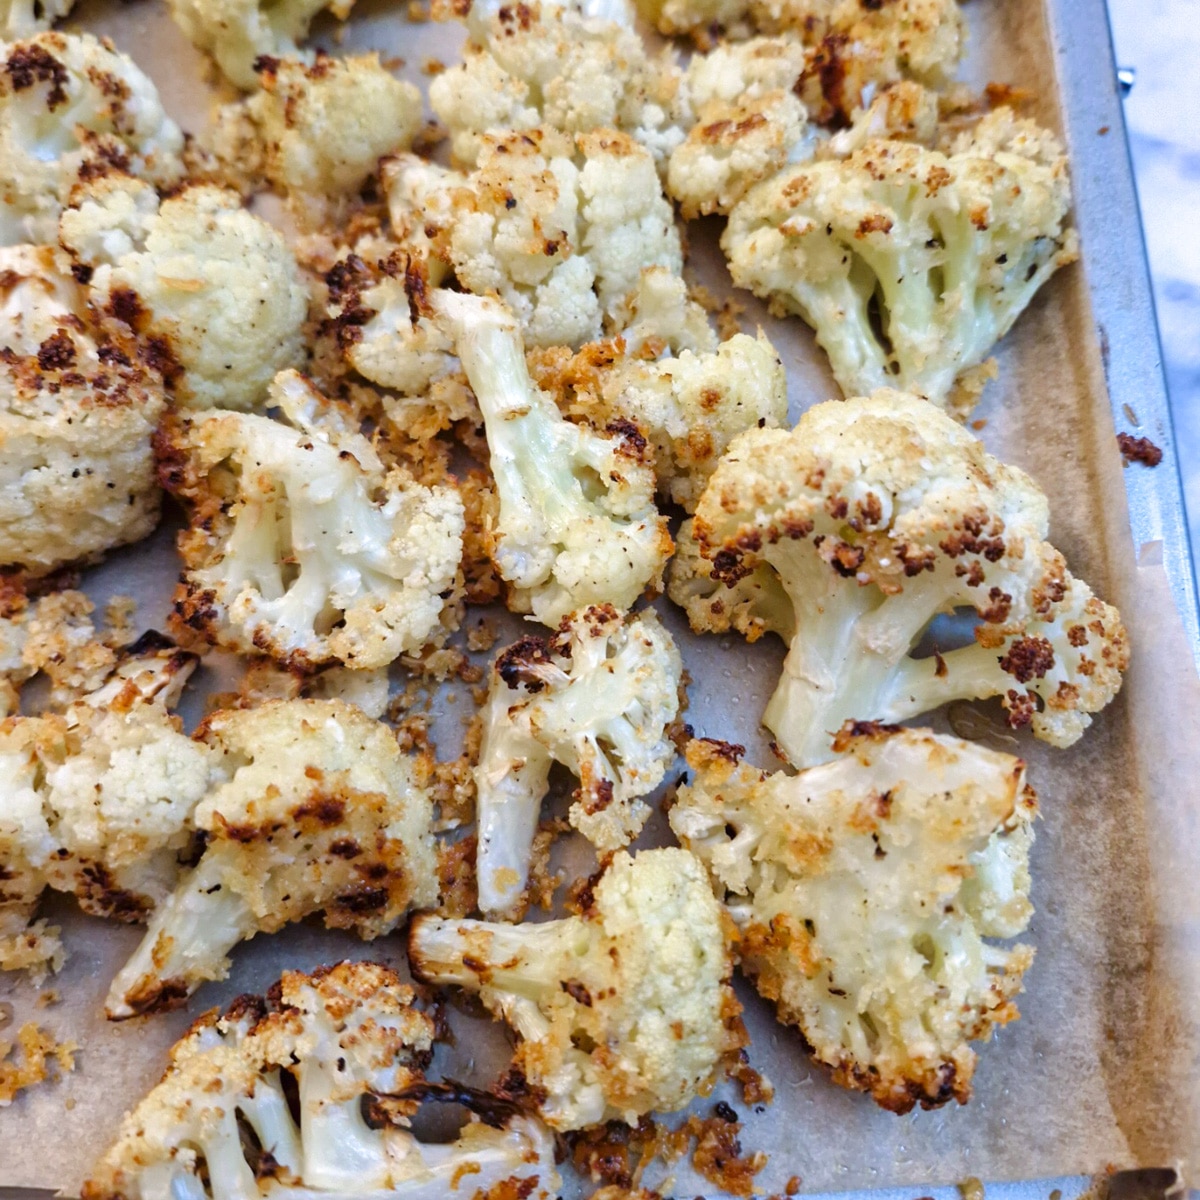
(157, 996)
(30, 64)
(873, 730)
(577, 991)
(1028, 658)
(495, 1110)
(152, 642)
(514, 1088)
(1138, 450)
(517, 665)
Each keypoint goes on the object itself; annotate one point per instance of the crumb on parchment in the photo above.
(32, 1058)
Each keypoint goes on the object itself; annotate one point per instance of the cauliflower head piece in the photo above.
(73, 108)
(690, 406)
(540, 65)
(78, 410)
(97, 801)
(322, 127)
(316, 810)
(238, 33)
(348, 1038)
(301, 545)
(623, 1009)
(599, 697)
(213, 290)
(877, 514)
(910, 263)
(576, 524)
(863, 891)
(749, 123)
(562, 230)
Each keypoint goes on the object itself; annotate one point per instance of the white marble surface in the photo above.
(1161, 40)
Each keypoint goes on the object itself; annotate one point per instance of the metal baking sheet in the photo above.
(1103, 1070)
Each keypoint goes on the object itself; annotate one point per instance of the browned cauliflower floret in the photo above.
(326, 1072)
(877, 514)
(691, 406)
(73, 107)
(97, 801)
(863, 891)
(910, 263)
(622, 1009)
(536, 65)
(77, 414)
(301, 544)
(851, 46)
(318, 811)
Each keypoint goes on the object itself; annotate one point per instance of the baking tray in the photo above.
(1103, 1071)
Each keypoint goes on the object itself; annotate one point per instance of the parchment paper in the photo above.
(1102, 1069)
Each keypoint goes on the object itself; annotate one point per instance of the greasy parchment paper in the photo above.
(1104, 1066)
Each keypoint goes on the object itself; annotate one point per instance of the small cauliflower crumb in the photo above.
(33, 1058)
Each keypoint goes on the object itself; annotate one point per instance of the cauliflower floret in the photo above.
(902, 112)
(528, 66)
(213, 289)
(877, 514)
(691, 407)
(562, 231)
(851, 46)
(322, 128)
(72, 108)
(420, 200)
(21, 18)
(621, 1010)
(351, 1040)
(749, 123)
(863, 890)
(237, 33)
(301, 545)
(910, 264)
(318, 811)
(577, 524)
(77, 414)
(599, 697)
(97, 801)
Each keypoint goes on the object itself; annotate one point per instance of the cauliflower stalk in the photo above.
(301, 544)
(238, 33)
(864, 890)
(77, 415)
(73, 108)
(348, 1038)
(577, 524)
(534, 65)
(598, 698)
(317, 810)
(321, 128)
(877, 514)
(909, 263)
(214, 290)
(97, 800)
(621, 1010)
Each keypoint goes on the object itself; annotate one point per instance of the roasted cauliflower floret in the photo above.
(301, 544)
(562, 231)
(691, 406)
(97, 800)
(623, 1009)
(531, 65)
(577, 524)
(599, 698)
(863, 890)
(748, 124)
(877, 514)
(21, 18)
(321, 128)
(851, 47)
(212, 289)
(72, 107)
(77, 415)
(318, 811)
(238, 33)
(910, 264)
(349, 1039)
